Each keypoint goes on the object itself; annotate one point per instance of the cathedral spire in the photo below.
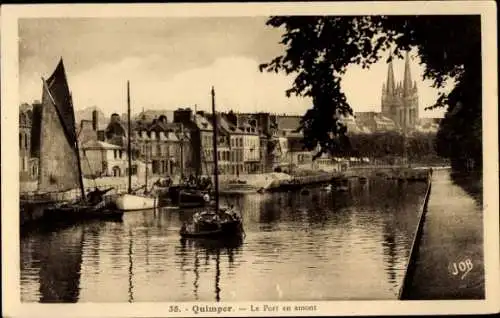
(407, 83)
(391, 85)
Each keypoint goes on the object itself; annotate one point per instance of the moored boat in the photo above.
(59, 172)
(81, 212)
(193, 198)
(213, 224)
(95, 205)
(132, 200)
(186, 196)
(216, 223)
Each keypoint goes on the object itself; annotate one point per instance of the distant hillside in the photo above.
(150, 114)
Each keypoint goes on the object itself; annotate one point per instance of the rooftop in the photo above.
(288, 122)
(99, 145)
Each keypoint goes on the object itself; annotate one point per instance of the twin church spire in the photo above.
(407, 87)
(400, 99)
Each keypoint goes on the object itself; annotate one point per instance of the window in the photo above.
(20, 140)
(121, 153)
(158, 150)
(26, 142)
(115, 153)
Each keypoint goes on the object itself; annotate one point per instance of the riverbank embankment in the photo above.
(246, 182)
(449, 260)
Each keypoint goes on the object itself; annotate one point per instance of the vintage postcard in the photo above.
(272, 159)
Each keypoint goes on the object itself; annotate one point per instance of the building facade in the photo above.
(236, 145)
(223, 153)
(247, 125)
(195, 155)
(28, 164)
(371, 122)
(164, 146)
(102, 159)
(205, 129)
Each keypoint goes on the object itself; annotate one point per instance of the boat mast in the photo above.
(129, 152)
(147, 161)
(77, 148)
(182, 149)
(216, 168)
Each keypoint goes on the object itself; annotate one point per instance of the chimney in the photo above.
(232, 118)
(101, 135)
(182, 115)
(115, 118)
(95, 120)
(163, 119)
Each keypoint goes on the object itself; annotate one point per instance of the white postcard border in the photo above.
(10, 163)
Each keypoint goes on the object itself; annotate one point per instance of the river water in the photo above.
(320, 246)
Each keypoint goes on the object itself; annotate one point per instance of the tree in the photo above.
(320, 48)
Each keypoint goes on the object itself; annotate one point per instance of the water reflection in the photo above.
(291, 241)
(130, 271)
(210, 248)
(59, 273)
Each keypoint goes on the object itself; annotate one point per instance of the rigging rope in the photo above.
(86, 158)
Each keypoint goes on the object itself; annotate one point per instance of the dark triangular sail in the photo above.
(58, 87)
(59, 161)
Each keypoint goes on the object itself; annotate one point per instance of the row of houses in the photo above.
(178, 143)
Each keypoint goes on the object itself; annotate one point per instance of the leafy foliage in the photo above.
(418, 146)
(318, 50)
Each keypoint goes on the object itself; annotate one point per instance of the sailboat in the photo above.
(59, 170)
(131, 200)
(193, 193)
(218, 222)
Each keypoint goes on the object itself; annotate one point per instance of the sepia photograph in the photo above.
(250, 160)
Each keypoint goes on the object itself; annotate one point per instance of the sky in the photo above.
(174, 62)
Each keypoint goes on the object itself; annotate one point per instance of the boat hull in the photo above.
(188, 198)
(213, 230)
(80, 213)
(33, 210)
(217, 234)
(131, 202)
(228, 232)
